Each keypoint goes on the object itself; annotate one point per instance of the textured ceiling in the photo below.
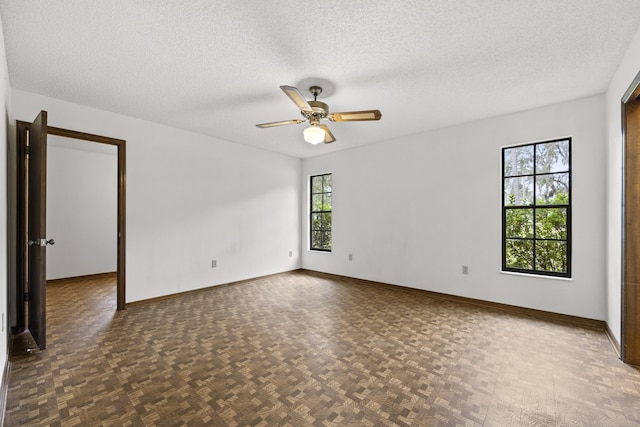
(214, 67)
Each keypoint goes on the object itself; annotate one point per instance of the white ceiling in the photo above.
(214, 67)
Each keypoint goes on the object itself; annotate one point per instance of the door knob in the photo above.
(42, 242)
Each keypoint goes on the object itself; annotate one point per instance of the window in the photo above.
(536, 208)
(320, 221)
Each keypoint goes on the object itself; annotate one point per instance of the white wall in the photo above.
(5, 108)
(82, 202)
(191, 199)
(413, 210)
(626, 72)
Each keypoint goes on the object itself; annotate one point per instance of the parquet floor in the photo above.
(304, 349)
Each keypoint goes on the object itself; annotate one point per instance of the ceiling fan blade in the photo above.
(282, 123)
(356, 116)
(328, 136)
(295, 95)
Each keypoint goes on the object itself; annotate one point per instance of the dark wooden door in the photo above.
(630, 329)
(37, 229)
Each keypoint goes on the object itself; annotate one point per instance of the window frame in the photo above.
(534, 207)
(312, 212)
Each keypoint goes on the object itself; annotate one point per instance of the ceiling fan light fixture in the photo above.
(314, 134)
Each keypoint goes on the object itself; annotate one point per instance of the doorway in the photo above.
(81, 211)
(630, 328)
(26, 292)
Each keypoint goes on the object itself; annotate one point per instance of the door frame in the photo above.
(22, 129)
(630, 273)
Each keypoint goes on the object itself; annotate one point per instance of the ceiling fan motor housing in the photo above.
(320, 110)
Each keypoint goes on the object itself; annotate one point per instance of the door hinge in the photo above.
(26, 296)
(26, 150)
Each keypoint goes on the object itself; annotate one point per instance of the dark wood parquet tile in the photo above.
(306, 349)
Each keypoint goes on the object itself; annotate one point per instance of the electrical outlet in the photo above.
(465, 269)
(350, 257)
(214, 263)
(290, 254)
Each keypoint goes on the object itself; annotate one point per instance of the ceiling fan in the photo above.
(314, 111)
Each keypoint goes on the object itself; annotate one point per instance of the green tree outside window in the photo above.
(536, 209)
(320, 219)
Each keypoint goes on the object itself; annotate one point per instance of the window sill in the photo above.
(537, 276)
